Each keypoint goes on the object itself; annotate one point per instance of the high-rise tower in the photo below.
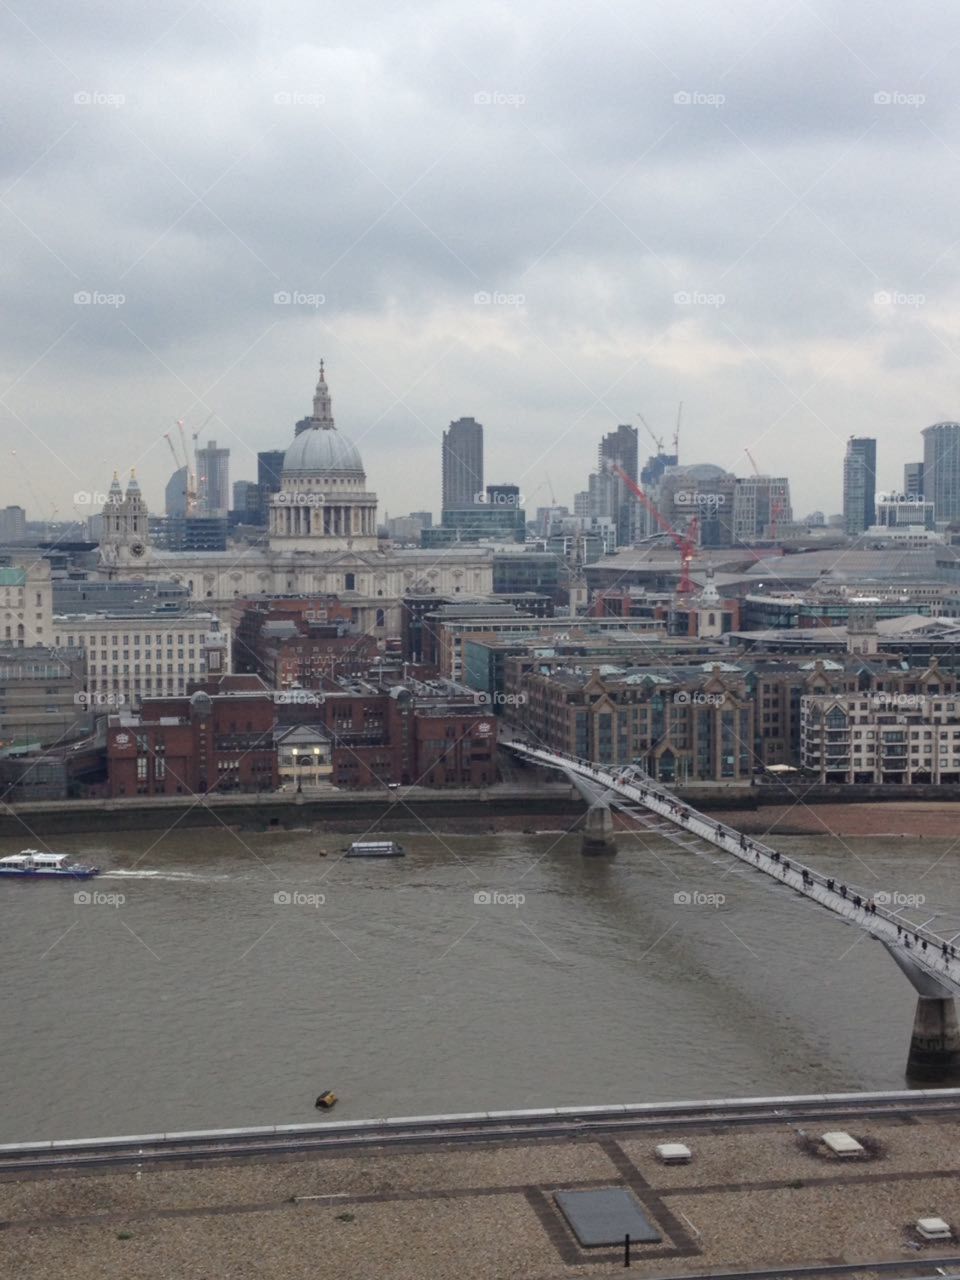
(860, 484)
(462, 460)
(941, 469)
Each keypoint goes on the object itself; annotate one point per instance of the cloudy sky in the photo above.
(548, 217)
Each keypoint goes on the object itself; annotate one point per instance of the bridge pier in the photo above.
(597, 834)
(935, 1042)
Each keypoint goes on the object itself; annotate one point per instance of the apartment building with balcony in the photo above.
(886, 735)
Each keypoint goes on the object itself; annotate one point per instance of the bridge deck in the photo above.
(929, 960)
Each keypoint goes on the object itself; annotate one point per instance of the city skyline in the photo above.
(611, 269)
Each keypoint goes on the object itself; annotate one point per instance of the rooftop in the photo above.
(762, 1194)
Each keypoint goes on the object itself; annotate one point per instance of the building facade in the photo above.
(941, 469)
(213, 480)
(42, 696)
(217, 739)
(859, 484)
(462, 463)
(26, 602)
(885, 735)
(131, 657)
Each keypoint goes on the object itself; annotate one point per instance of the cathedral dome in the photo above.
(319, 446)
(322, 449)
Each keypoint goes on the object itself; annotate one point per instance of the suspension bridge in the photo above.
(929, 960)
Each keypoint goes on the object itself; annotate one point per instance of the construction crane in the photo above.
(686, 543)
(657, 440)
(676, 434)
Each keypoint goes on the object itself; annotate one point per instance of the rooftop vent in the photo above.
(673, 1153)
(841, 1144)
(934, 1229)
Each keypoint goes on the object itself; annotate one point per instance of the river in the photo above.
(220, 979)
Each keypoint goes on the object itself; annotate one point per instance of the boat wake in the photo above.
(134, 874)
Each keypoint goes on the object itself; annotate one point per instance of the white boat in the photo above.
(34, 863)
(375, 849)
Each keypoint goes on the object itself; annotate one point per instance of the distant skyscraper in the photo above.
(462, 456)
(859, 484)
(941, 469)
(13, 524)
(913, 479)
(175, 494)
(619, 448)
(213, 479)
(269, 470)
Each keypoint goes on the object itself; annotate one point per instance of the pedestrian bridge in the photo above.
(929, 960)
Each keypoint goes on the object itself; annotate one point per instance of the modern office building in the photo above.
(859, 484)
(175, 494)
(13, 524)
(213, 479)
(941, 469)
(462, 461)
(913, 479)
(761, 507)
(269, 471)
(903, 510)
(42, 695)
(613, 497)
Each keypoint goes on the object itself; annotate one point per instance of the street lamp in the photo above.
(316, 767)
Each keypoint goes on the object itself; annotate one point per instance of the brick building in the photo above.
(683, 725)
(219, 738)
(381, 737)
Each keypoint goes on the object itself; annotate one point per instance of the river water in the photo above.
(207, 985)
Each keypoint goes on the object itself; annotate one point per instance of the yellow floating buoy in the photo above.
(326, 1099)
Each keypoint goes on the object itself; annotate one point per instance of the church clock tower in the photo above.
(125, 539)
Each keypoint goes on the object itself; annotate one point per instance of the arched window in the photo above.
(349, 581)
(381, 618)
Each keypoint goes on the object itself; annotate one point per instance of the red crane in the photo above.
(686, 543)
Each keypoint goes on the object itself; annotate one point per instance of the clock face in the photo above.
(137, 549)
